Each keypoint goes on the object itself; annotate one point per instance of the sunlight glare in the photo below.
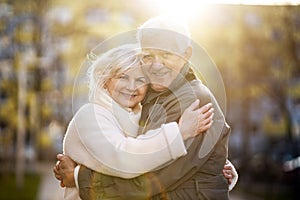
(187, 9)
(179, 9)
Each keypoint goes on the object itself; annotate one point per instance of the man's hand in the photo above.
(56, 172)
(230, 173)
(227, 172)
(64, 170)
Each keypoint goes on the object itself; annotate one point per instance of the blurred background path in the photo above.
(49, 188)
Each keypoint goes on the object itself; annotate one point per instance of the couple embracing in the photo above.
(151, 129)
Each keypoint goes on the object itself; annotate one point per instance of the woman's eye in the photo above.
(123, 77)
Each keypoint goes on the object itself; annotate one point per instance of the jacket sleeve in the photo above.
(109, 151)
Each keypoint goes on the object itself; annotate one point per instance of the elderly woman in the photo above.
(103, 133)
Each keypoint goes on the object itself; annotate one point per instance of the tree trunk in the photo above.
(21, 131)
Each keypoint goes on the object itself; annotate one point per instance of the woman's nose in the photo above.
(131, 85)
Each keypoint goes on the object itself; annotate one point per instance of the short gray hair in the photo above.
(178, 29)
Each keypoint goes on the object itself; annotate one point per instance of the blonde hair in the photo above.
(156, 26)
(111, 64)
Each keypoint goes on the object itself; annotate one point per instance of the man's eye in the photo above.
(141, 80)
(149, 56)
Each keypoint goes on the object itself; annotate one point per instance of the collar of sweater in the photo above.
(128, 118)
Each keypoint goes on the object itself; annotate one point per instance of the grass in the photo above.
(9, 190)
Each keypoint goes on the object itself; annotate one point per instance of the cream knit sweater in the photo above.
(102, 134)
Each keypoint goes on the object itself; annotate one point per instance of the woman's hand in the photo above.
(195, 120)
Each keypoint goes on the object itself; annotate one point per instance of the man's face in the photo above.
(161, 67)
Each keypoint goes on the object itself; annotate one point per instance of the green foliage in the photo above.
(256, 49)
(8, 190)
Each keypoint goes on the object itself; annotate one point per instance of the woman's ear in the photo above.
(104, 85)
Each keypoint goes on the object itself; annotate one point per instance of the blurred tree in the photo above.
(256, 56)
(256, 48)
(281, 52)
(22, 31)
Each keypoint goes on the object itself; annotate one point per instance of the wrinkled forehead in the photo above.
(153, 51)
(164, 40)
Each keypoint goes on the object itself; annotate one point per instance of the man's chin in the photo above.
(158, 87)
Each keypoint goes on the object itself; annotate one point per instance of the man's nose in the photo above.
(157, 63)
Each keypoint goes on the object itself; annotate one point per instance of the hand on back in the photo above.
(195, 120)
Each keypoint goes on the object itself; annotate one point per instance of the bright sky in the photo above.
(187, 9)
(257, 2)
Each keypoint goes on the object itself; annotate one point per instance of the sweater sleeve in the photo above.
(112, 153)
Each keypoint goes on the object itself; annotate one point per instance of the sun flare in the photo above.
(188, 9)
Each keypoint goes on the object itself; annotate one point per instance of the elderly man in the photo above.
(166, 49)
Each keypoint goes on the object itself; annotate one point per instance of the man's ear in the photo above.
(188, 52)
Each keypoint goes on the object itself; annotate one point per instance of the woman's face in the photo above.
(128, 88)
